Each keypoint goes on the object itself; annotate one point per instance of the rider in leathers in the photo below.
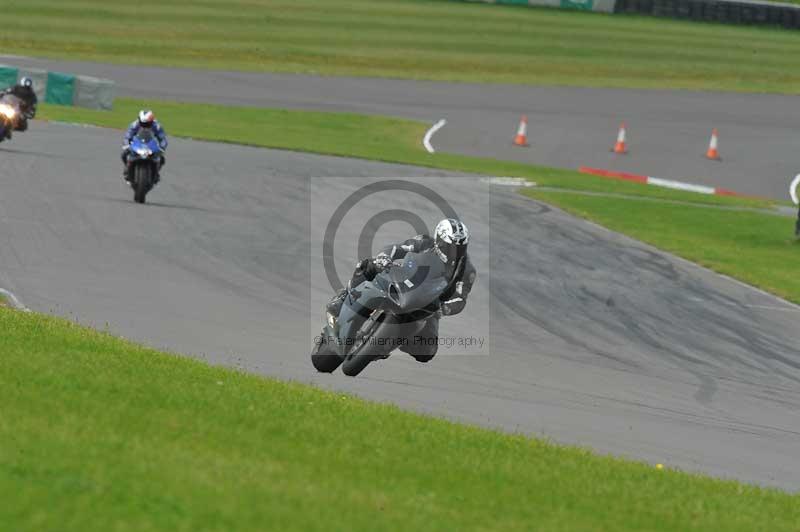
(450, 244)
(147, 120)
(24, 91)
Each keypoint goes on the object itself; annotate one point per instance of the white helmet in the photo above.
(26, 82)
(451, 237)
(146, 118)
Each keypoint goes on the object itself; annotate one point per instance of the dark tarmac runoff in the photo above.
(592, 338)
(668, 131)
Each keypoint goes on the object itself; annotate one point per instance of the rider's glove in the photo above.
(367, 268)
(456, 303)
(382, 262)
(363, 265)
(453, 306)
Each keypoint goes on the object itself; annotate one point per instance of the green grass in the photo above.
(756, 248)
(99, 434)
(350, 135)
(419, 39)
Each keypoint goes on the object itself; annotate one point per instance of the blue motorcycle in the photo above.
(144, 162)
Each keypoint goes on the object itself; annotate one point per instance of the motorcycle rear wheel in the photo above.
(323, 359)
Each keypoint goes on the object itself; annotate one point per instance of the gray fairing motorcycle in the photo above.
(380, 315)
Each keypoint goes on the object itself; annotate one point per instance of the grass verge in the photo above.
(404, 39)
(99, 434)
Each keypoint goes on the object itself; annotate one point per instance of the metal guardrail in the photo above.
(727, 11)
(603, 6)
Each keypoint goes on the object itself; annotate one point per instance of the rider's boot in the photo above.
(158, 170)
(334, 306)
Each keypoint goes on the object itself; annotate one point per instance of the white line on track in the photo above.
(16, 303)
(427, 140)
(508, 181)
(747, 305)
(793, 189)
(677, 185)
(77, 124)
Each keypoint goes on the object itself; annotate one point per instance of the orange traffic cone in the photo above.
(713, 145)
(620, 147)
(522, 132)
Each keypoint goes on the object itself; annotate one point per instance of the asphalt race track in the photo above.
(668, 131)
(595, 339)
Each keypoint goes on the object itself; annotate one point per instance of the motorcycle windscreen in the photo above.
(145, 138)
(418, 282)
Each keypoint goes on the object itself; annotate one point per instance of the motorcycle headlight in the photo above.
(144, 152)
(7, 111)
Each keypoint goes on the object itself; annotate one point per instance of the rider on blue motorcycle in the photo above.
(146, 120)
(449, 243)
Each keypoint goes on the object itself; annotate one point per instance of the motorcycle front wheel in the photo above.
(363, 354)
(141, 182)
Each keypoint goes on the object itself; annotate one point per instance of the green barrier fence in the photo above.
(60, 88)
(8, 76)
(585, 5)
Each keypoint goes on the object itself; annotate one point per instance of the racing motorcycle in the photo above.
(10, 107)
(144, 160)
(379, 315)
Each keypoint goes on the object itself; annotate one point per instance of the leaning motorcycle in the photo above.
(380, 315)
(10, 107)
(144, 161)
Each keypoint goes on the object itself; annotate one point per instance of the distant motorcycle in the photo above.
(144, 160)
(10, 113)
(380, 315)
